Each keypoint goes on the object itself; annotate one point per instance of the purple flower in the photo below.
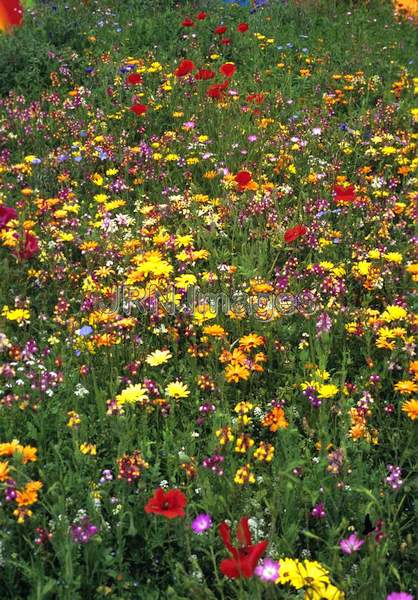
(201, 523)
(82, 530)
(394, 477)
(323, 324)
(351, 544)
(318, 511)
(268, 570)
(399, 596)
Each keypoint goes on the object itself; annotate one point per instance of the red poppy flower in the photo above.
(344, 194)
(185, 68)
(167, 504)
(187, 22)
(134, 79)
(7, 213)
(204, 74)
(217, 90)
(244, 558)
(225, 41)
(257, 98)
(227, 69)
(243, 178)
(294, 233)
(139, 109)
(242, 27)
(201, 16)
(220, 29)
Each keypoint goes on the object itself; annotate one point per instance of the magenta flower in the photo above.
(351, 544)
(399, 596)
(201, 523)
(82, 530)
(318, 511)
(268, 570)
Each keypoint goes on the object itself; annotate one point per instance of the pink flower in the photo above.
(202, 523)
(268, 570)
(351, 544)
(399, 596)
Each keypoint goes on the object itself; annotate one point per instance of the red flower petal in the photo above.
(134, 79)
(168, 504)
(185, 68)
(227, 69)
(204, 74)
(242, 27)
(344, 194)
(201, 16)
(220, 29)
(187, 22)
(294, 233)
(139, 109)
(217, 90)
(243, 532)
(243, 178)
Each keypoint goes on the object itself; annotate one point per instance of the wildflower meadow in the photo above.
(208, 378)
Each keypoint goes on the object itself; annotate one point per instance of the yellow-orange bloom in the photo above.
(406, 387)
(4, 471)
(410, 407)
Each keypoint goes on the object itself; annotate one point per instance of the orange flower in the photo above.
(410, 407)
(252, 340)
(215, 331)
(4, 471)
(235, 372)
(29, 495)
(406, 387)
(29, 454)
(275, 419)
(9, 448)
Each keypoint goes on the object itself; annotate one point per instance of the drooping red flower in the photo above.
(227, 69)
(201, 16)
(225, 41)
(187, 22)
(242, 27)
(134, 79)
(167, 504)
(217, 90)
(139, 109)
(344, 193)
(7, 213)
(28, 248)
(220, 29)
(244, 558)
(294, 233)
(185, 68)
(243, 178)
(204, 74)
